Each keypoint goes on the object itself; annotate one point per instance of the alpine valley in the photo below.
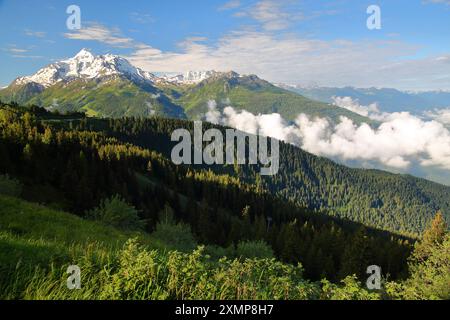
(86, 178)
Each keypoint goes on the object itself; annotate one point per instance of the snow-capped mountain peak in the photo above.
(84, 54)
(85, 65)
(190, 77)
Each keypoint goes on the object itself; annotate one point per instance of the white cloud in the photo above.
(32, 33)
(151, 111)
(273, 15)
(354, 106)
(21, 53)
(142, 18)
(440, 115)
(447, 2)
(23, 56)
(232, 4)
(400, 141)
(288, 58)
(97, 32)
(16, 50)
(213, 115)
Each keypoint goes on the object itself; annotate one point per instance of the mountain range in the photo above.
(387, 99)
(110, 86)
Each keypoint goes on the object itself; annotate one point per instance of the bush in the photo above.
(138, 275)
(10, 186)
(254, 249)
(176, 236)
(117, 213)
(351, 289)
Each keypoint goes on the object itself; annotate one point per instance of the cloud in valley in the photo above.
(440, 115)
(399, 142)
(354, 106)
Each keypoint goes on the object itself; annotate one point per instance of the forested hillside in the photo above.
(393, 202)
(75, 165)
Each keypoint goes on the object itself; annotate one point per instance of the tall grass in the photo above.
(137, 273)
(37, 245)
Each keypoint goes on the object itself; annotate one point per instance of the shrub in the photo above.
(350, 289)
(117, 213)
(137, 276)
(254, 249)
(176, 236)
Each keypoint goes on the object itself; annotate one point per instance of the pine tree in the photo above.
(433, 235)
(357, 255)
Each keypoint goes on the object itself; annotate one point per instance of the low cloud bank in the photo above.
(440, 115)
(400, 141)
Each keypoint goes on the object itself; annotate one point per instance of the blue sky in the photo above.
(304, 41)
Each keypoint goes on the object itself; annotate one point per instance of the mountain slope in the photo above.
(256, 96)
(104, 86)
(398, 203)
(74, 163)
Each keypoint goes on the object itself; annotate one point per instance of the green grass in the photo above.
(32, 221)
(37, 244)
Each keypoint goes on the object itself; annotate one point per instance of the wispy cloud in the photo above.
(94, 31)
(287, 57)
(21, 53)
(32, 33)
(232, 4)
(16, 50)
(273, 15)
(291, 59)
(23, 56)
(142, 18)
(447, 2)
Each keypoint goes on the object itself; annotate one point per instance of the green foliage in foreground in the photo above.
(117, 213)
(429, 266)
(254, 249)
(176, 235)
(38, 244)
(138, 273)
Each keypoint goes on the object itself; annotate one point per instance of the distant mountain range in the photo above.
(110, 86)
(387, 99)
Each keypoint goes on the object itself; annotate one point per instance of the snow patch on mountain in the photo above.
(190, 77)
(85, 65)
